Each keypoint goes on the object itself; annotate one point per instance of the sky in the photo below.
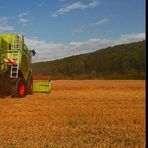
(62, 28)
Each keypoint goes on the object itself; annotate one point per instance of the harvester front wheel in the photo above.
(19, 88)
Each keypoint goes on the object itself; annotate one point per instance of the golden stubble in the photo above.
(77, 113)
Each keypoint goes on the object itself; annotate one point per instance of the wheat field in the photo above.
(76, 114)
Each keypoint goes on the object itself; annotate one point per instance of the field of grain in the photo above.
(85, 114)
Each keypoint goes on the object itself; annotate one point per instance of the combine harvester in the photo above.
(15, 65)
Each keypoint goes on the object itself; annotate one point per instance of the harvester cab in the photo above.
(15, 65)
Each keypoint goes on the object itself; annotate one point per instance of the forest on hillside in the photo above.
(125, 61)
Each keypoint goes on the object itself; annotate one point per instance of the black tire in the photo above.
(30, 86)
(18, 88)
(4, 86)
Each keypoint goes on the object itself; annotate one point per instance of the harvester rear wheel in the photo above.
(18, 88)
(4, 91)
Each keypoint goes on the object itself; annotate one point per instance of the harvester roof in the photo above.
(8, 37)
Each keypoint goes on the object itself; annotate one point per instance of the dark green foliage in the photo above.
(126, 61)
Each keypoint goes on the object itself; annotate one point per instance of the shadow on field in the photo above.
(4, 93)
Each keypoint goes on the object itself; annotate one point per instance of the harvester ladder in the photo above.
(15, 47)
(15, 67)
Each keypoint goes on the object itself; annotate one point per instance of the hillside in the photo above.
(125, 61)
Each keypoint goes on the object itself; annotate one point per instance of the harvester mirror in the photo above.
(33, 52)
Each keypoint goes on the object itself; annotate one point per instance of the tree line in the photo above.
(125, 61)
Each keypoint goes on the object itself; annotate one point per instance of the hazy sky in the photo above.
(60, 28)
